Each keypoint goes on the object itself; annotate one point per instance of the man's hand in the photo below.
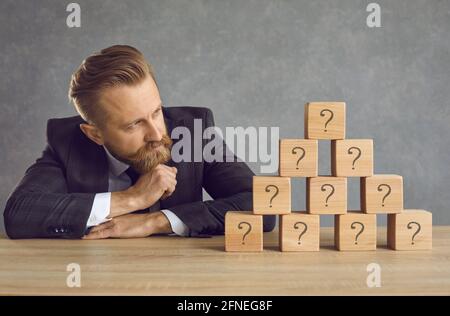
(148, 189)
(132, 226)
(155, 185)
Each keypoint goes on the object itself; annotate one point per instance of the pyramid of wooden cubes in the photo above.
(356, 230)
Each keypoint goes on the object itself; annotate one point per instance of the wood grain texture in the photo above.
(382, 194)
(299, 231)
(325, 120)
(243, 231)
(298, 158)
(352, 158)
(267, 199)
(410, 230)
(326, 195)
(167, 265)
(355, 231)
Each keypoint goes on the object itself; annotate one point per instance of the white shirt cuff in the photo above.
(100, 209)
(178, 227)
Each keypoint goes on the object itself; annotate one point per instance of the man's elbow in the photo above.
(11, 218)
(269, 222)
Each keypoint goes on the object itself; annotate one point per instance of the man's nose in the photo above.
(152, 132)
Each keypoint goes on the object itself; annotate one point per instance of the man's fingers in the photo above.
(101, 226)
(96, 235)
(171, 184)
(99, 234)
(170, 189)
(171, 170)
(96, 229)
(165, 195)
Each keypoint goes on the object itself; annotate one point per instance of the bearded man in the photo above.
(108, 172)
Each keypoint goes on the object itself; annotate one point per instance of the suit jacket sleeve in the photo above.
(41, 207)
(230, 184)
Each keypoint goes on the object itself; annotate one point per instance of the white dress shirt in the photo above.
(118, 180)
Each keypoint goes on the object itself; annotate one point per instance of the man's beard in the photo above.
(150, 155)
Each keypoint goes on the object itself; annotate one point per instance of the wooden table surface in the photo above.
(166, 265)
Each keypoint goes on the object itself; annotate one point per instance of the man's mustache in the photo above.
(165, 141)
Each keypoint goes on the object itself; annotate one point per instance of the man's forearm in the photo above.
(47, 215)
(122, 202)
(159, 223)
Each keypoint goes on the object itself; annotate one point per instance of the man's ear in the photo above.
(92, 132)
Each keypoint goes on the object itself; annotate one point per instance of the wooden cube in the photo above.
(410, 230)
(325, 120)
(355, 231)
(271, 195)
(326, 195)
(299, 232)
(382, 194)
(352, 158)
(243, 231)
(298, 157)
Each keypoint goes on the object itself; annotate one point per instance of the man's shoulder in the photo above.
(65, 122)
(61, 130)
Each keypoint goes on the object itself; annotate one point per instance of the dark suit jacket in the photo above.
(54, 198)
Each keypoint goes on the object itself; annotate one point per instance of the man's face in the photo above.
(134, 131)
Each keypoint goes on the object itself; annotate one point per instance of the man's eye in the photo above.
(157, 112)
(134, 124)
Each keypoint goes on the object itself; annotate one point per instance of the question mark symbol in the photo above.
(294, 151)
(353, 226)
(329, 195)
(276, 193)
(387, 194)
(322, 113)
(417, 231)
(303, 231)
(248, 231)
(350, 152)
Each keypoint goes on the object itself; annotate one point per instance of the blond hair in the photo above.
(112, 66)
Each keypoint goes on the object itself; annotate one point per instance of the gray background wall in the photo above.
(255, 63)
